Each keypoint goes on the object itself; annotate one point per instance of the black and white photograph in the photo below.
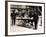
(25, 18)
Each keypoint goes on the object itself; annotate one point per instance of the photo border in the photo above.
(6, 18)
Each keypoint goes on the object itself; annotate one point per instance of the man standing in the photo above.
(35, 17)
(13, 17)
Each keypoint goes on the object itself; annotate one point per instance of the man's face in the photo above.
(35, 9)
(16, 10)
(23, 11)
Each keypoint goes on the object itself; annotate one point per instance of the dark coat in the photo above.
(13, 15)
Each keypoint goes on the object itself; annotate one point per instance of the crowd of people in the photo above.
(27, 16)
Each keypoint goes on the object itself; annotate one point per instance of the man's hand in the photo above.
(31, 18)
